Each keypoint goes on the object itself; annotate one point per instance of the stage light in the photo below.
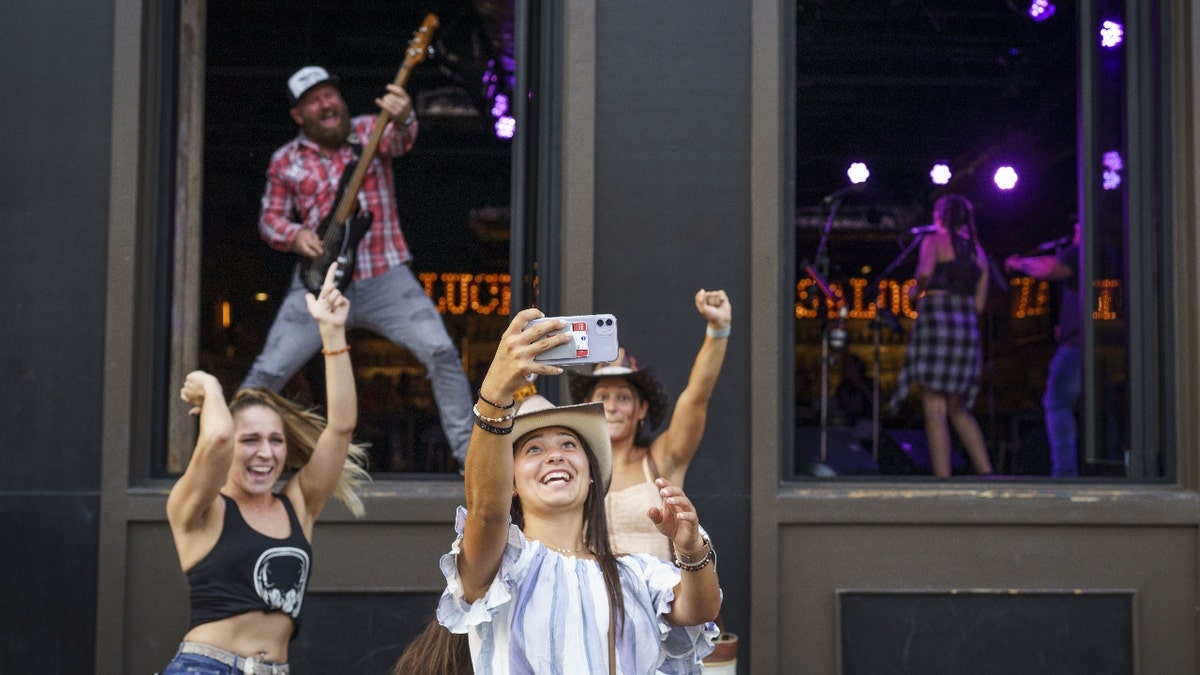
(505, 127)
(940, 174)
(1040, 10)
(1112, 34)
(1113, 165)
(858, 173)
(1005, 178)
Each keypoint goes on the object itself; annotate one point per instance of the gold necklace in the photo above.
(564, 551)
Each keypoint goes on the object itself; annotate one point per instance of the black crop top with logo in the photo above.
(957, 276)
(248, 571)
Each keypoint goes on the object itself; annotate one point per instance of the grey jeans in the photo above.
(393, 305)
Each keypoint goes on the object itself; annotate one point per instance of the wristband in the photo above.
(334, 352)
(717, 333)
(710, 557)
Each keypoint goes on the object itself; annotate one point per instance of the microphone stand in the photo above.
(877, 329)
(819, 276)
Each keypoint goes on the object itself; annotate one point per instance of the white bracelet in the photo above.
(717, 333)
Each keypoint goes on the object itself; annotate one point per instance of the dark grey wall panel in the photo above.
(48, 577)
(55, 60)
(358, 633)
(672, 216)
(982, 633)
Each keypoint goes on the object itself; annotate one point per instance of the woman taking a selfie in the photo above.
(532, 579)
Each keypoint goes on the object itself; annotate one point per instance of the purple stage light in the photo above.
(1005, 178)
(506, 126)
(1112, 160)
(1112, 34)
(1113, 166)
(1040, 10)
(940, 174)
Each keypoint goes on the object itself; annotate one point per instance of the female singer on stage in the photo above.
(245, 548)
(944, 353)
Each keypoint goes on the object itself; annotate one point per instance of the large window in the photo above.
(453, 194)
(1026, 109)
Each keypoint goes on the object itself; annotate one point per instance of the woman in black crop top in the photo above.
(944, 355)
(245, 548)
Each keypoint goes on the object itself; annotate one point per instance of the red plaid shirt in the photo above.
(302, 186)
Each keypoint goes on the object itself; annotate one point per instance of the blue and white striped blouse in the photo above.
(546, 613)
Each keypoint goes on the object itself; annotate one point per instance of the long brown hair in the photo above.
(437, 651)
(301, 428)
(956, 212)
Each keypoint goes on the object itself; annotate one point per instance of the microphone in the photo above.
(923, 229)
(834, 196)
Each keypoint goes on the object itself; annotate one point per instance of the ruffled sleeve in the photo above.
(454, 612)
(683, 647)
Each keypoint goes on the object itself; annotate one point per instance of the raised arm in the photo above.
(315, 481)
(489, 469)
(1043, 267)
(674, 449)
(698, 595)
(192, 496)
(399, 138)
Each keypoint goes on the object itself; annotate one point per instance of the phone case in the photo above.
(595, 340)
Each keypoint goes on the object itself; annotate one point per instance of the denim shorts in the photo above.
(200, 664)
(197, 665)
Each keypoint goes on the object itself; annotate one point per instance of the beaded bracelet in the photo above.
(499, 431)
(497, 406)
(490, 420)
(710, 557)
(488, 424)
(334, 352)
(717, 333)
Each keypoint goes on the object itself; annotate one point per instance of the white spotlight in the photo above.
(1005, 178)
(940, 174)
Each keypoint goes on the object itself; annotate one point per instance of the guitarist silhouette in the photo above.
(328, 200)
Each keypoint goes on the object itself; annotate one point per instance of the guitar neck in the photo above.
(414, 54)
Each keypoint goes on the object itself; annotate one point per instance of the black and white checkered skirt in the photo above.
(943, 352)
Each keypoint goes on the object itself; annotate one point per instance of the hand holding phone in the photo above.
(593, 340)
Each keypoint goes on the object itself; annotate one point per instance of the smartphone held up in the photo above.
(593, 340)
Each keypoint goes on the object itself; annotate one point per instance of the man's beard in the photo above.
(329, 137)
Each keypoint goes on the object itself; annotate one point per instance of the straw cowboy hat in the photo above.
(586, 420)
(648, 385)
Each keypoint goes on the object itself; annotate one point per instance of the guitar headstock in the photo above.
(419, 43)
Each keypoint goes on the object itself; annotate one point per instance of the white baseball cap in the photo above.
(306, 78)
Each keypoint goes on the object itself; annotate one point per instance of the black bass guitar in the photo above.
(345, 226)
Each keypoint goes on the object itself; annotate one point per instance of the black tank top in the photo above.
(957, 276)
(248, 571)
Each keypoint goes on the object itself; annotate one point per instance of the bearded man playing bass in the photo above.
(304, 179)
